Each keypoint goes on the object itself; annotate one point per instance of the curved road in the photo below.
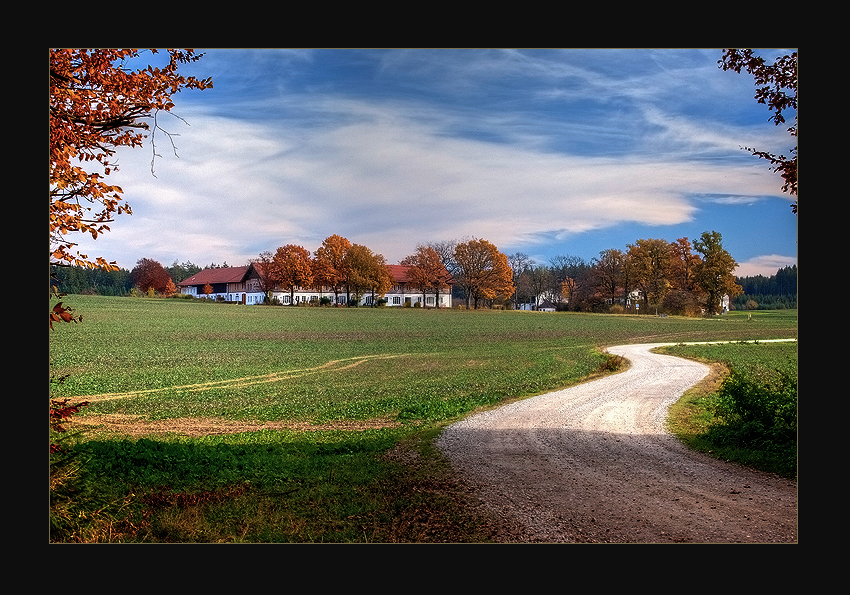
(593, 463)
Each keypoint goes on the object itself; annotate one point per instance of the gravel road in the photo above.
(594, 463)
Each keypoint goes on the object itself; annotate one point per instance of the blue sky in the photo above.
(545, 152)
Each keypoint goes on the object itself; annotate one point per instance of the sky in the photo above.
(547, 152)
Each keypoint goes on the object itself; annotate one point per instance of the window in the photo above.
(396, 301)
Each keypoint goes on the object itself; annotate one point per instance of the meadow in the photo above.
(213, 422)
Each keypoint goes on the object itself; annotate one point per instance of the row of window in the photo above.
(286, 299)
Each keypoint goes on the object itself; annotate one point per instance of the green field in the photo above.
(367, 379)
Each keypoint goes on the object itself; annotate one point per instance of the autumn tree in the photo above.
(291, 267)
(97, 104)
(329, 264)
(682, 263)
(715, 273)
(685, 293)
(568, 290)
(381, 279)
(446, 250)
(650, 260)
(150, 274)
(628, 277)
(367, 273)
(482, 271)
(776, 87)
(426, 272)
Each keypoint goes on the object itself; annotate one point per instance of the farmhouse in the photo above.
(244, 285)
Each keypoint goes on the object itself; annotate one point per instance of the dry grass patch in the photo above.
(136, 426)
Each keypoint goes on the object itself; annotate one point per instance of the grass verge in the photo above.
(745, 411)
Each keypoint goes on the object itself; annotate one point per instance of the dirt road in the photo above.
(593, 463)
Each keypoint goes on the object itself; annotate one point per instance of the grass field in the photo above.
(694, 419)
(216, 422)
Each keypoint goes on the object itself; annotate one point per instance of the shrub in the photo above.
(759, 406)
(682, 303)
(616, 309)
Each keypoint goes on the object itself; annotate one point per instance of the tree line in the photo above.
(475, 266)
(776, 292)
(120, 281)
(680, 277)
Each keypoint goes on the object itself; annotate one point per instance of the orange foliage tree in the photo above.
(483, 271)
(150, 274)
(367, 272)
(98, 104)
(650, 267)
(329, 264)
(291, 267)
(426, 272)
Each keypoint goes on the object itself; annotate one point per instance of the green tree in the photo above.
(715, 273)
(180, 272)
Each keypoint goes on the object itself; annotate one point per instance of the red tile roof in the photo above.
(238, 274)
(399, 272)
(211, 276)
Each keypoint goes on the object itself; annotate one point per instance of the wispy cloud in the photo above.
(518, 147)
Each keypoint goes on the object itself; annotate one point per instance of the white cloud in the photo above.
(387, 178)
(766, 265)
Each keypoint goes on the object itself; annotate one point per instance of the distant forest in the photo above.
(100, 282)
(776, 292)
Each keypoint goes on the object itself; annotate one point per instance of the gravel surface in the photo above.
(594, 463)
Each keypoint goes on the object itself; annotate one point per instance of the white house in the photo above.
(244, 285)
